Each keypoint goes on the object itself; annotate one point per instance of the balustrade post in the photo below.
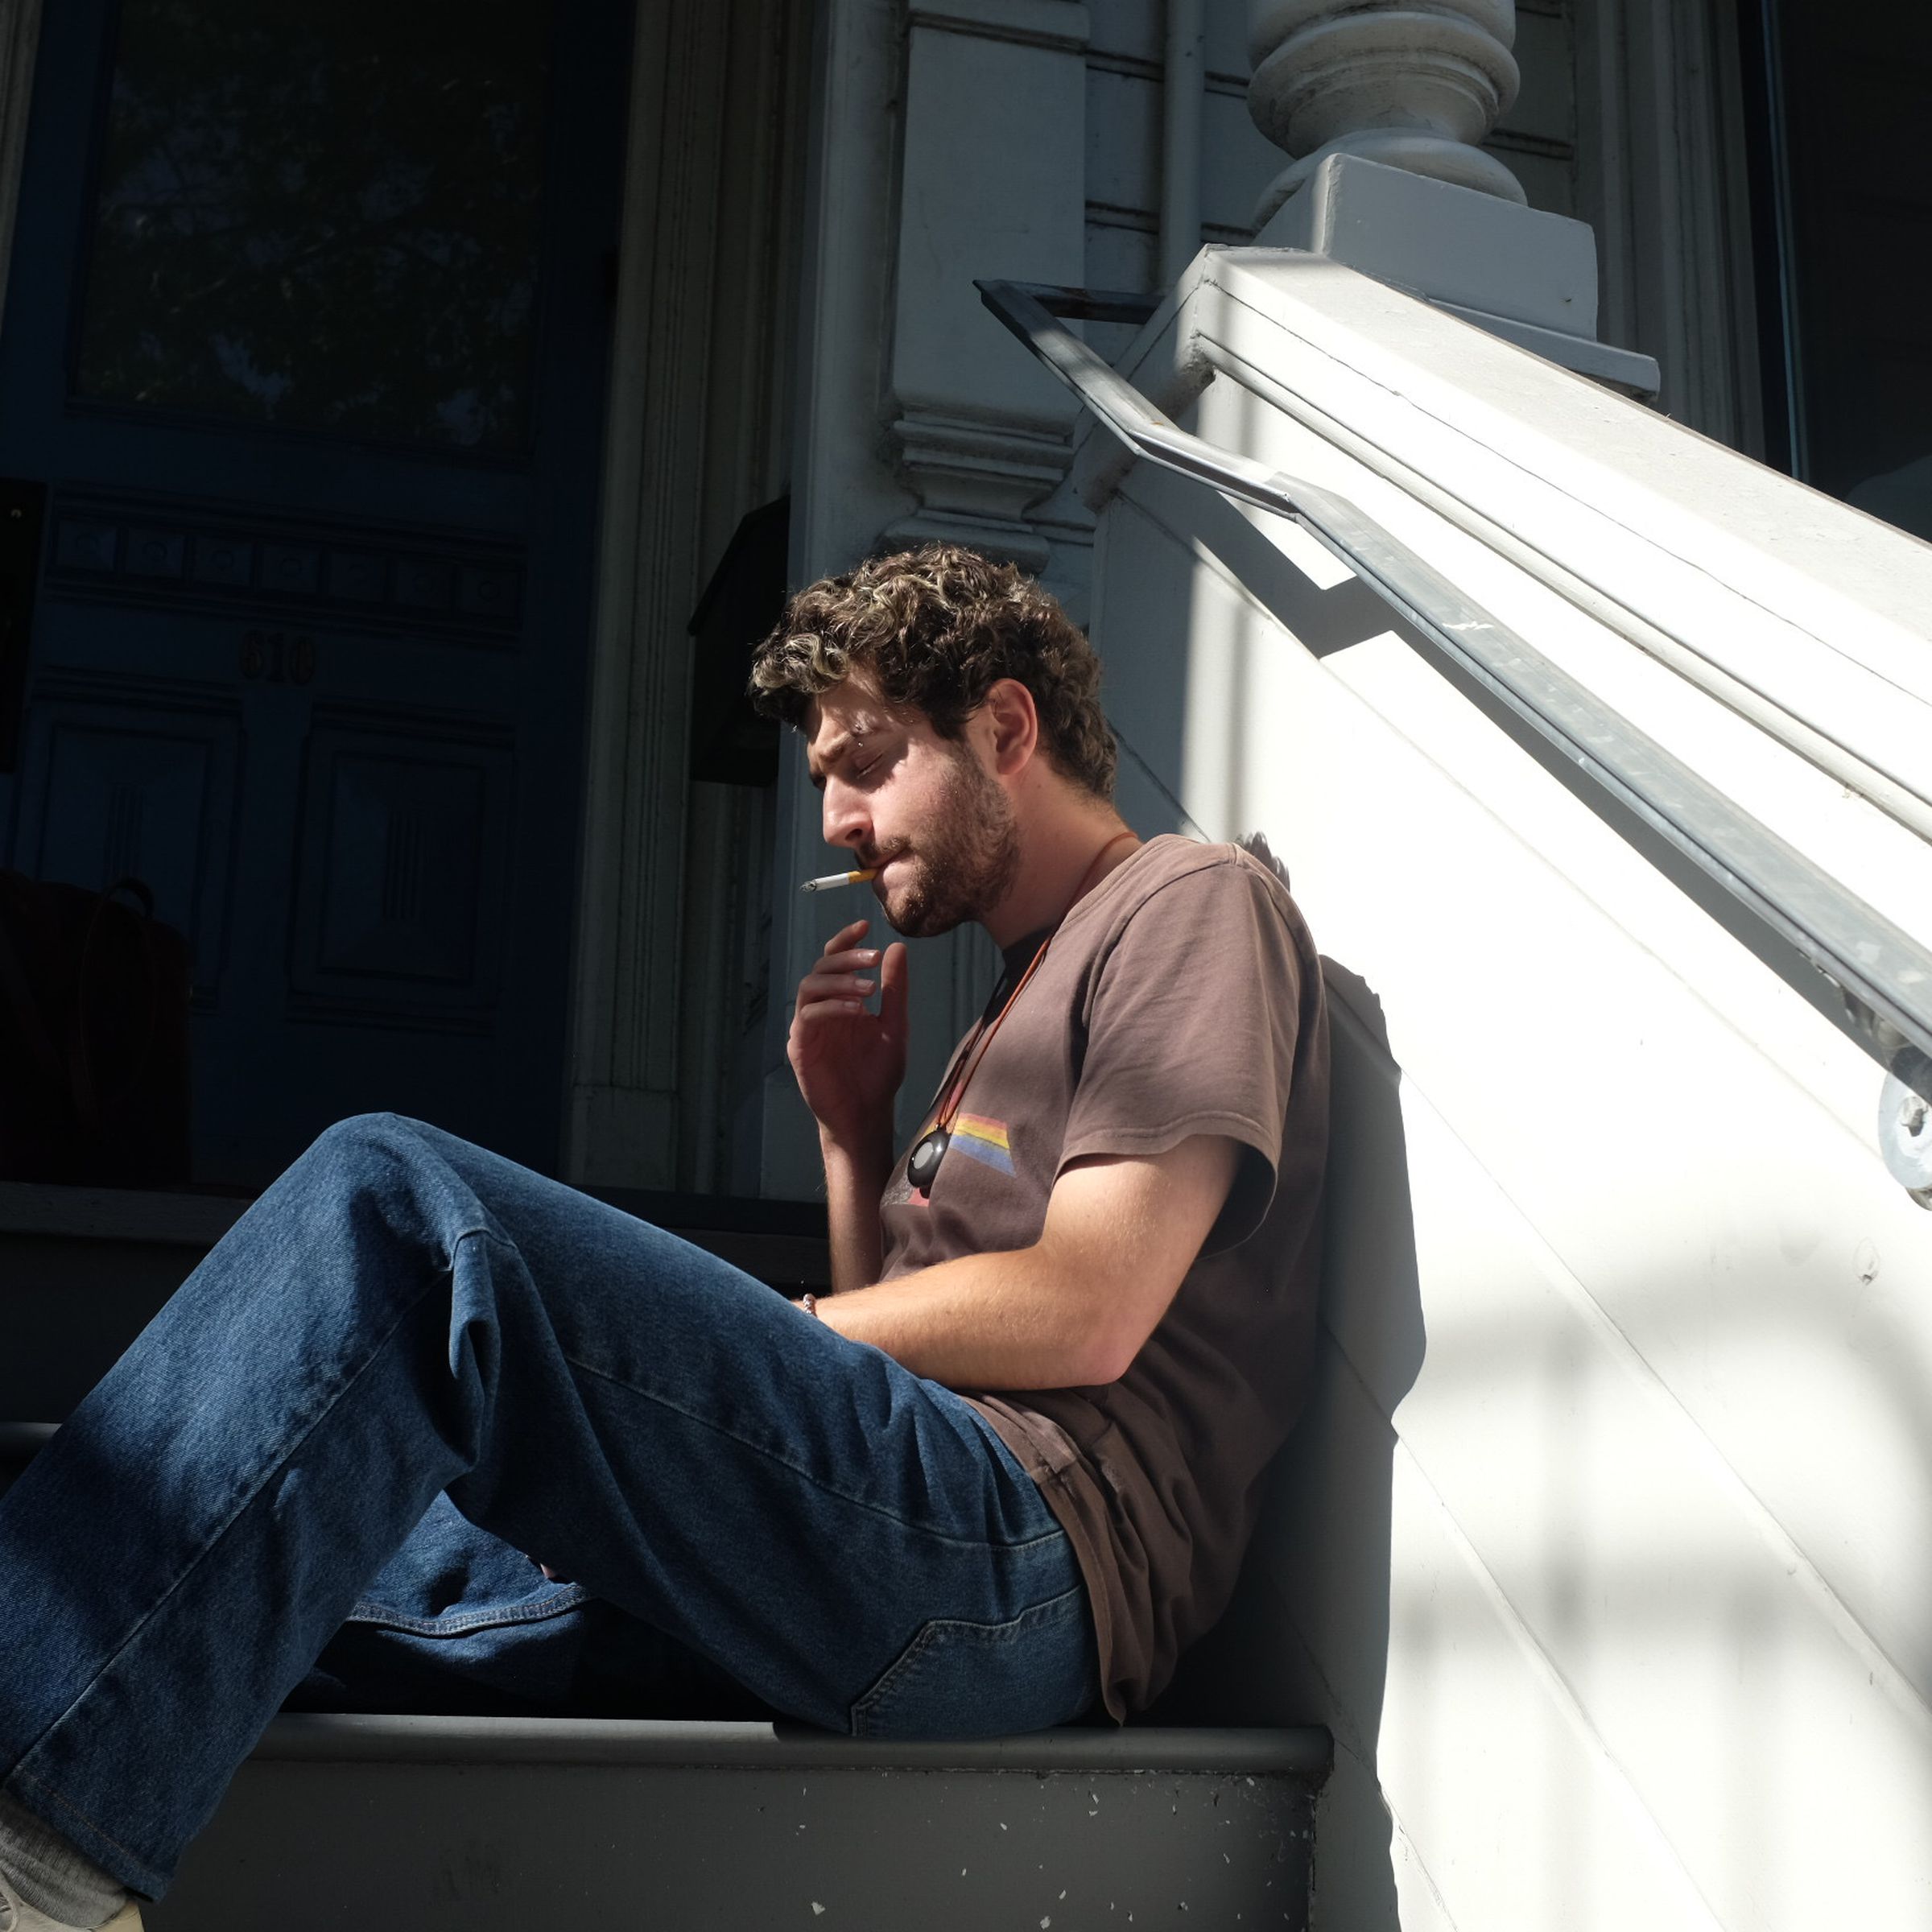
(1381, 104)
(1415, 86)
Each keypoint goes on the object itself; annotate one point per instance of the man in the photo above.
(411, 1362)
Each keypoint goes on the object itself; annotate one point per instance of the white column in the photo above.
(1413, 86)
(950, 142)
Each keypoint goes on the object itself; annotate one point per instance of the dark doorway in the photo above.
(307, 337)
(1843, 212)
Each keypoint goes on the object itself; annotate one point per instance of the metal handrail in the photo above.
(1880, 973)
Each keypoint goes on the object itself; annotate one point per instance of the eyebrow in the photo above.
(819, 763)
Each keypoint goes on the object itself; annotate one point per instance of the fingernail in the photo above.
(863, 986)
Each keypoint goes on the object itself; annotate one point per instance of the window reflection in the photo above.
(322, 217)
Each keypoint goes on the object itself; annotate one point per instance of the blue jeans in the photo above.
(409, 1363)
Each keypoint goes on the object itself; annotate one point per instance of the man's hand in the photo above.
(848, 1061)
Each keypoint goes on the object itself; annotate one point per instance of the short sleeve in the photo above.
(1191, 1022)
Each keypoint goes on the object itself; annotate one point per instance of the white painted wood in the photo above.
(1415, 87)
(1660, 169)
(1815, 606)
(1444, 241)
(934, 426)
(850, 491)
(1605, 1540)
(991, 184)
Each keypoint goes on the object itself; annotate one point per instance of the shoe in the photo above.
(16, 1915)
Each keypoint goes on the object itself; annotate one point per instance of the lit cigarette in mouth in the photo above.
(837, 878)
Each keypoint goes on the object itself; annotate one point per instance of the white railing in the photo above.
(1881, 975)
(1613, 1494)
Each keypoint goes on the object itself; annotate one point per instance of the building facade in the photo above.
(409, 418)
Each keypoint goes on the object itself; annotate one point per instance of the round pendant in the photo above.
(924, 1163)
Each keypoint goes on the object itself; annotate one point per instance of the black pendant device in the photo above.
(922, 1165)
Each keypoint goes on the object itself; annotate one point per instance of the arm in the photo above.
(1074, 1308)
(849, 1063)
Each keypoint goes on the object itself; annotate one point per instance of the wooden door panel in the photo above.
(147, 790)
(320, 414)
(397, 912)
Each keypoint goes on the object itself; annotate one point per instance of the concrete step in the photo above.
(505, 1825)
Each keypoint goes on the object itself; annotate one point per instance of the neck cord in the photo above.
(924, 1162)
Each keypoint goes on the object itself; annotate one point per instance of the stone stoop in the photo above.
(518, 1823)
(504, 1825)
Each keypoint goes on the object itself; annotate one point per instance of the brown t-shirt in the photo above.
(1182, 996)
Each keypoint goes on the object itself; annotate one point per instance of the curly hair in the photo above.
(938, 627)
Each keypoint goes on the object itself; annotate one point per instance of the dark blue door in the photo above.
(306, 336)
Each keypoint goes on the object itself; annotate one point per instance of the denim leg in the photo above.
(403, 1314)
(459, 1623)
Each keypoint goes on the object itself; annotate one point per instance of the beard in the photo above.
(966, 860)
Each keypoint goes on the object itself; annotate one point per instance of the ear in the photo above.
(1012, 724)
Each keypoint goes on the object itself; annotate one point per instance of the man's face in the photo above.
(922, 809)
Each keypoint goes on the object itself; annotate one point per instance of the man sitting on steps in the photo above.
(996, 1480)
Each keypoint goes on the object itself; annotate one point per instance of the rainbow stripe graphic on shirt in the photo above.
(984, 1139)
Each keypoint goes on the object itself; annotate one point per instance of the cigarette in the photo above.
(836, 878)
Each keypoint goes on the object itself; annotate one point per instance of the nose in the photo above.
(843, 817)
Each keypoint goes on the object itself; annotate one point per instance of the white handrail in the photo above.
(1877, 978)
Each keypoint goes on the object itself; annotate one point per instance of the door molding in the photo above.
(1661, 178)
(19, 41)
(697, 433)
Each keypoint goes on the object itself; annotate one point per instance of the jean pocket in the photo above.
(957, 1678)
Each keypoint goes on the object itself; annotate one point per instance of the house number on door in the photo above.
(279, 657)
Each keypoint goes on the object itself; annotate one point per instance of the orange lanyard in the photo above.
(955, 1094)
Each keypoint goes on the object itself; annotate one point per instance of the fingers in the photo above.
(840, 982)
(806, 1017)
(848, 936)
(895, 978)
(844, 991)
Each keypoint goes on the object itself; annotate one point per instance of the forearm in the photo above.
(984, 1321)
(854, 1181)
(1074, 1309)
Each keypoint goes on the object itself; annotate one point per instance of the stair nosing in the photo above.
(1298, 1751)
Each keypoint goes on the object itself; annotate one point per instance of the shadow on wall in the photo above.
(1305, 1638)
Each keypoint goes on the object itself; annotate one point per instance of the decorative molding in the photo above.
(698, 404)
(1415, 86)
(976, 483)
(624, 1007)
(993, 180)
(151, 550)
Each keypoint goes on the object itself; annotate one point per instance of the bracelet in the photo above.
(810, 1304)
